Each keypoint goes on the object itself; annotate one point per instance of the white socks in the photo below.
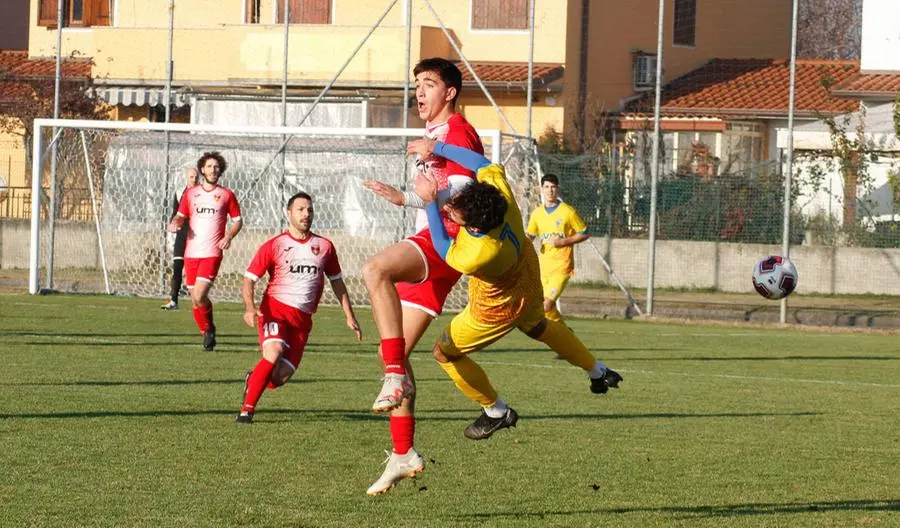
(498, 410)
(598, 371)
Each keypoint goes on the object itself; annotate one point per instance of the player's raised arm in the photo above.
(340, 291)
(388, 192)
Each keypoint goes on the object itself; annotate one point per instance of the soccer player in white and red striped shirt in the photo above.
(408, 282)
(297, 262)
(206, 207)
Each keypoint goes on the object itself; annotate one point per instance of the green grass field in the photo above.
(113, 415)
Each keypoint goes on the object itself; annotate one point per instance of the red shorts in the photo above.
(287, 324)
(204, 269)
(430, 294)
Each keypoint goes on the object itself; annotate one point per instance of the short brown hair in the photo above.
(446, 70)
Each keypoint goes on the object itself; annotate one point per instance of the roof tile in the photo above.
(756, 85)
(15, 66)
(511, 72)
(887, 83)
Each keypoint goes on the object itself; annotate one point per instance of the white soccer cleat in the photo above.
(396, 387)
(398, 468)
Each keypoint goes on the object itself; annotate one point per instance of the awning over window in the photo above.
(140, 96)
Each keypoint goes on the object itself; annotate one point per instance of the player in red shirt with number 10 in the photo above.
(297, 262)
(206, 207)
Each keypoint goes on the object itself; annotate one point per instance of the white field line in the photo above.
(482, 360)
(67, 306)
(664, 373)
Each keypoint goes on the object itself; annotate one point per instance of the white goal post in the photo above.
(98, 220)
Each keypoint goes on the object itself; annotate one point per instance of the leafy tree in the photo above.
(27, 96)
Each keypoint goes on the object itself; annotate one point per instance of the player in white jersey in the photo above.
(206, 207)
(297, 262)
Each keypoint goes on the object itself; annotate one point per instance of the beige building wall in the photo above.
(12, 160)
(748, 29)
(482, 114)
(211, 44)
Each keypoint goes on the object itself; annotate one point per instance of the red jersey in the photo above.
(296, 268)
(206, 212)
(455, 131)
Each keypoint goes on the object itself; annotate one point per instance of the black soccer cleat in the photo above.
(484, 426)
(609, 380)
(244, 418)
(209, 339)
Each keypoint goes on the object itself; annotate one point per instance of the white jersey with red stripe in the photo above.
(207, 213)
(297, 269)
(448, 174)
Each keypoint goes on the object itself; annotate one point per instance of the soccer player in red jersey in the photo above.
(423, 280)
(206, 208)
(297, 262)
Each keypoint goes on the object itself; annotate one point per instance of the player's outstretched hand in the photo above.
(225, 243)
(388, 192)
(173, 227)
(353, 324)
(250, 317)
(423, 147)
(426, 187)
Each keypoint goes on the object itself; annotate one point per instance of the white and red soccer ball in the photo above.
(774, 277)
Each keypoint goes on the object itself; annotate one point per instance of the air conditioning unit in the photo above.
(644, 72)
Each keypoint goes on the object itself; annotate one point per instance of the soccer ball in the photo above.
(774, 277)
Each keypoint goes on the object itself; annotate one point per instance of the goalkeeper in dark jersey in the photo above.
(190, 179)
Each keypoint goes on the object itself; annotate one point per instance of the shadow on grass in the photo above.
(348, 414)
(635, 416)
(770, 358)
(232, 381)
(595, 350)
(436, 415)
(727, 510)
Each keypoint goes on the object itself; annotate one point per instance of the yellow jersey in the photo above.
(562, 221)
(504, 278)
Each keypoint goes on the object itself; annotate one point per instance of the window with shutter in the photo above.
(306, 11)
(685, 31)
(500, 14)
(77, 13)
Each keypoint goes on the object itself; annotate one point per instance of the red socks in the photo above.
(393, 353)
(403, 430)
(203, 316)
(257, 384)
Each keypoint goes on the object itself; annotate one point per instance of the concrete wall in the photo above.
(728, 267)
(701, 265)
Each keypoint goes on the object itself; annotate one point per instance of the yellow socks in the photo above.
(558, 337)
(471, 380)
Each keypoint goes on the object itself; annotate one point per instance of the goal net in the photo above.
(102, 225)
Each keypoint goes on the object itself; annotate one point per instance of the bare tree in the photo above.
(829, 29)
(27, 96)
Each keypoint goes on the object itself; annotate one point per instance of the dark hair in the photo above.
(446, 70)
(212, 155)
(550, 178)
(300, 194)
(482, 206)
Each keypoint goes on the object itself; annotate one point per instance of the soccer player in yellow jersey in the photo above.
(504, 291)
(560, 228)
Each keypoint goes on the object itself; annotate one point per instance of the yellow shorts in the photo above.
(465, 334)
(554, 285)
